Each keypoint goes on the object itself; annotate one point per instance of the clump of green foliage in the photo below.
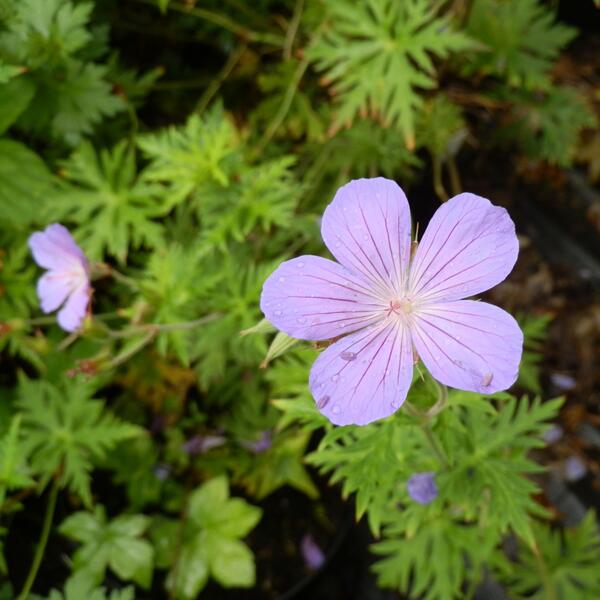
(153, 427)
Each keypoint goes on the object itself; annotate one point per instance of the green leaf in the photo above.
(208, 541)
(231, 562)
(13, 468)
(113, 208)
(116, 544)
(191, 573)
(282, 464)
(15, 96)
(25, 184)
(191, 156)
(377, 56)
(570, 557)
(280, 345)
(65, 429)
(520, 40)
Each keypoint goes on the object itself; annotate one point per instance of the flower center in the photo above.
(400, 306)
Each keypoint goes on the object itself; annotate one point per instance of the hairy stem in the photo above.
(432, 440)
(41, 545)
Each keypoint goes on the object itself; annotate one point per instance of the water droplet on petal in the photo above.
(278, 313)
(348, 356)
(395, 404)
(335, 378)
(301, 320)
(322, 403)
(336, 410)
(486, 380)
(281, 279)
(300, 265)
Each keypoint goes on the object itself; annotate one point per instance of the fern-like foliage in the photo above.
(190, 157)
(13, 469)
(535, 331)
(489, 475)
(426, 552)
(570, 556)
(373, 462)
(521, 40)
(378, 57)
(66, 96)
(548, 127)
(66, 432)
(113, 208)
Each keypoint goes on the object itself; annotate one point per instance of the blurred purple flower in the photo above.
(67, 282)
(393, 305)
(562, 382)
(199, 444)
(311, 553)
(422, 487)
(262, 444)
(553, 435)
(574, 468)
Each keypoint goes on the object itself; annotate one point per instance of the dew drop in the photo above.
(301, 320)
(348, 356)
(281, 279)
(299, 265)
(336, 410)
(486, 380)
(335, 378)
(322, 403)
(395, 404)
(278, 313)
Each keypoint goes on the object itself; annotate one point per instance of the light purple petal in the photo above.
(469, 246)
(73, 312)
(469, 345)
(367, 228)
(53, 288)
(422, 488)
(54, 248)
(364, 376)
(313, 298)
(311, 553)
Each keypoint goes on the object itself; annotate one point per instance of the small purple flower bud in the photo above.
(575, 468)
(562, 382)
(553, 435)
(199, 444)
(422, 487)
(311, 553)
(162, 471)
(262, 444)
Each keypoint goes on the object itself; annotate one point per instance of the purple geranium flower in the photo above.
(422, 487)
(67, 281)
(392, 308)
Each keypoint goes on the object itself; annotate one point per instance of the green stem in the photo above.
(41, 545)
(455, 184)
(223, 21)
(438, 185)
(215, 84)
(283, 108)
(156, 328)
(549, 590)
(290, 36)
(432, 440)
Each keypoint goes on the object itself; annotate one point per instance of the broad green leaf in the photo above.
(25, 184)
(231, 563)
(116, 544)
(15, 96)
